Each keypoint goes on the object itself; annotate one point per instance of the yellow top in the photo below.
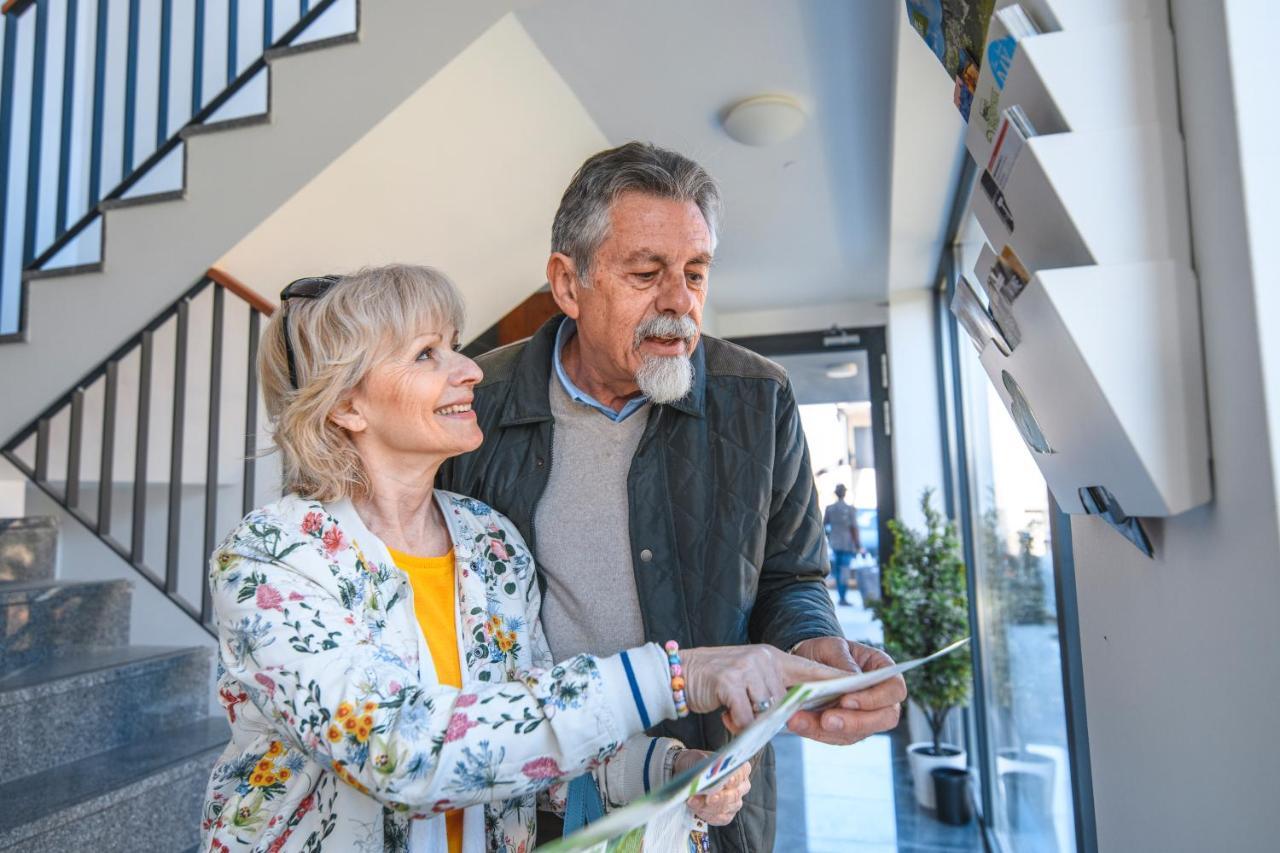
(435, 605)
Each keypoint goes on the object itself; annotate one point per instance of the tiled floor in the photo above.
(856, 799)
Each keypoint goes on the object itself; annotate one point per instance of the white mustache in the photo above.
(666, 326)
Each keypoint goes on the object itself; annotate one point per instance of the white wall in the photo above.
(800, 318)
(1180, 666)
(13, 492)
(1251, 25)
(916, 430)
(928, 153)
(465, 175)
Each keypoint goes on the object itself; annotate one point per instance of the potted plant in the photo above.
(925, 607)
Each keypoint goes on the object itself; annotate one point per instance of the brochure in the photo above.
(974, 319)
(1015, 130)
(956, 31)
(1006, 279)
(1008, 26)
(623, 830)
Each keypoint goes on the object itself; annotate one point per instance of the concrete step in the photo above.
(144, 796)
(89, 702)
(28, 548)
(40, 620)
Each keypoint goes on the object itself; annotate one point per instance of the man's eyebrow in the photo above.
(701, 258)
(644, 255)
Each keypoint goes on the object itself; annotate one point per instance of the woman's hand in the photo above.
(745, 680)
(721, 804)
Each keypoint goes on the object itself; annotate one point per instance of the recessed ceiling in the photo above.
(806, 220)
(812, 382)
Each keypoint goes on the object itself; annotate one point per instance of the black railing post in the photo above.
(130, 88)
(71, 494)
(68, 96)
(138, 539)
(211, 467)
(42, 451)
(162, 87)
(268, 23)
(6, 140)
(172, 542)
(233, 39)
(106, 473)
(251, 414)
(99, 104)
(197, 61)
(35, 144)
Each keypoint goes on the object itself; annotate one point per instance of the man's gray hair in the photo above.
(582, 221)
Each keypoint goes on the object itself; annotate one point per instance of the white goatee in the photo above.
(666, 378)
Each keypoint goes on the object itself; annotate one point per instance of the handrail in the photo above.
(107, 388)
(244, 291)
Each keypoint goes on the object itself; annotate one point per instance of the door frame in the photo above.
(872, 341)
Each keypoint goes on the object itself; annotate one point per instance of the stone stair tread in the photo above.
(12, 591)
(93, 664)
(30, 799)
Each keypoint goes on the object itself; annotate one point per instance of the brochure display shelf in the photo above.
(1098, 197)
(1102, 367)
(1108, 369)
(1128, 80)
(1078, 14)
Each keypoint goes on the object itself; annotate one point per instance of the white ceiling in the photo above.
(806, 221)
(818, 229)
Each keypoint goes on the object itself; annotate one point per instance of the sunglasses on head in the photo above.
(311, 287)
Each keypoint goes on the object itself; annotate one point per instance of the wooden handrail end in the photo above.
(248, 294)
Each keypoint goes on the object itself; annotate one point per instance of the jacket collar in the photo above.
(528, 400)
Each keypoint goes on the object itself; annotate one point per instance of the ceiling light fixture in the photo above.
(764, 120)
(845, 370)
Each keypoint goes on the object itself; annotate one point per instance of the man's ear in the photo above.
(346, 414)
(562, 276)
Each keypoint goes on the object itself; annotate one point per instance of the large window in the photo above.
(1027, 762)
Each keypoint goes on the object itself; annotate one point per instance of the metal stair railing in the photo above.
(89, 70)
(56, 450)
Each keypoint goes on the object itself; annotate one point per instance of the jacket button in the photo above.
(540, 462)
(646, 556)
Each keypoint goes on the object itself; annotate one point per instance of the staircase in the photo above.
(108, 746)
(320, 98)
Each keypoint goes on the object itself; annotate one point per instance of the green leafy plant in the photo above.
(925, 607)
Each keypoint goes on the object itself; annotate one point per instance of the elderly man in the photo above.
(661, 476)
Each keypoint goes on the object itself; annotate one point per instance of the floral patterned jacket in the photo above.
(341, 736)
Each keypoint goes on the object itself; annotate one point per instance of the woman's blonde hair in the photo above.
(337, 339)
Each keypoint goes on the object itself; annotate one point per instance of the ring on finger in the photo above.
(763, 705)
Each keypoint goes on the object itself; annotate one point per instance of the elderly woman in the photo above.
(383, 669)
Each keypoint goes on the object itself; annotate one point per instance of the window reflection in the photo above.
(1027, 758)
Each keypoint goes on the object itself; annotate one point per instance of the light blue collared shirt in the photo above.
(567, 329)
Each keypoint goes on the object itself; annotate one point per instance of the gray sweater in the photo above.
(583, 534)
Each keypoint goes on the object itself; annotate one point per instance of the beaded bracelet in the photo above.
(677, 678)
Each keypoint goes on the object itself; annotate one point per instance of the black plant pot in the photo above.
(951, 793)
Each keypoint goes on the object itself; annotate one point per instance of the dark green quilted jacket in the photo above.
(727, 541)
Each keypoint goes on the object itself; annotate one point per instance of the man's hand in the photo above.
(721, 804)
(856, 715)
